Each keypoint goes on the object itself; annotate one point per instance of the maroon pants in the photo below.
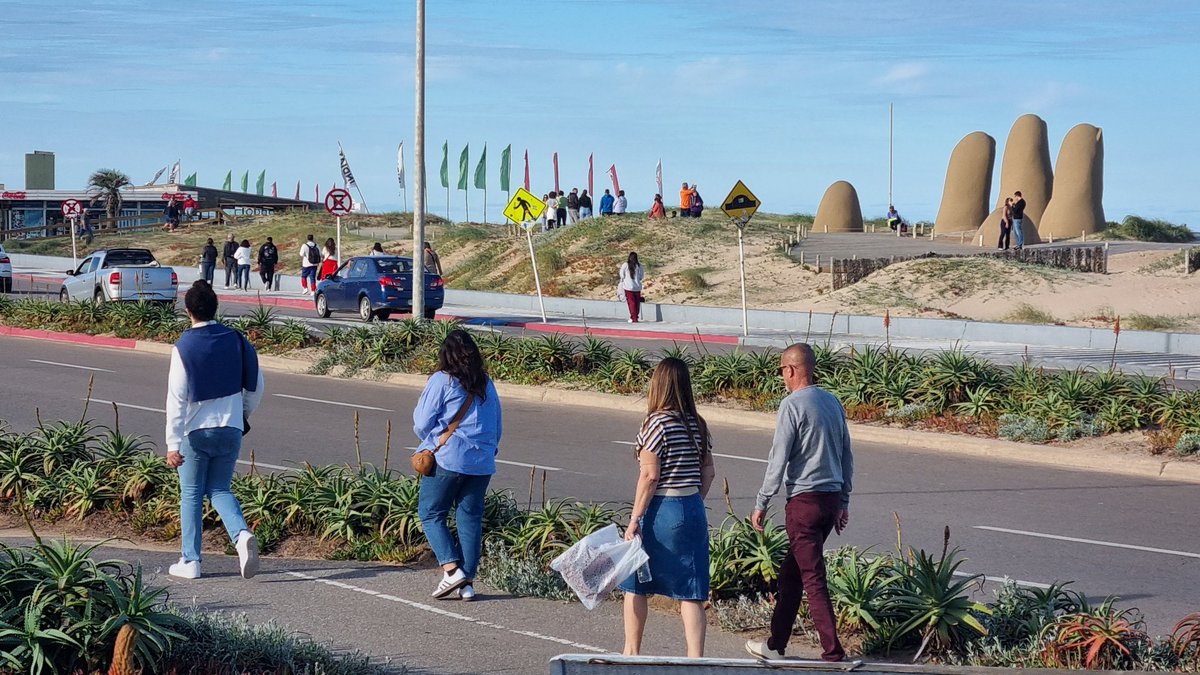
(634, 300)
(810, 517)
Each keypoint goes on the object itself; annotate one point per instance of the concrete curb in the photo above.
(967, 447)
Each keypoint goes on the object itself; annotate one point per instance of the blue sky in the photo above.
(787, 96)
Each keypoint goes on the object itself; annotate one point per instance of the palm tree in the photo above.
(105, 185)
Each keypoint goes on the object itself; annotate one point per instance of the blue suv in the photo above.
(376, 286)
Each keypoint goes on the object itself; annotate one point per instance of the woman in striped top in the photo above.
(674, 454)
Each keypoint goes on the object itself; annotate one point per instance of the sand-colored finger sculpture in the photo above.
(1075, 206)
(1026, 167)
(968, 184)
(839, 210)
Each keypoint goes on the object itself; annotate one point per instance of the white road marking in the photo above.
(1000, 580)
(344, 405)
(127, 405)
(528, 466)
(446, 613)
(748, 459)
(1095, 542)
(624, 442)
(71, 365)
(264, 465)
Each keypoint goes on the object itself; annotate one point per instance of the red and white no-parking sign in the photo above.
(72, 207)
(338, 202)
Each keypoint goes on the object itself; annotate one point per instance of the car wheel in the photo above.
(5, 284)
(98, 298)
(64, 296)
(364, 309)
(430, 313)
(322, 306)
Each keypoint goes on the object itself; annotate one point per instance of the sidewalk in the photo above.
(1157, 364)
(385, 611)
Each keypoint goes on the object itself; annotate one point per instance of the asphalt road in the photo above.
(1131, 537)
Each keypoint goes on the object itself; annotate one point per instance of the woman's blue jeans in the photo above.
(209, 457)
(441, 492)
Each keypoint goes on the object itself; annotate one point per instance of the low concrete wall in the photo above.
(1093, 259)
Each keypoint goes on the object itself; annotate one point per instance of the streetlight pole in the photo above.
(418, 230)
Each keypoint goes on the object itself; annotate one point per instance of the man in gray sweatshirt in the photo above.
(811, 458)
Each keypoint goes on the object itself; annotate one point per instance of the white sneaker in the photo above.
(759, 649)
(226, 286)
(247, 548)
(450, 583)
(185, 569)
(467, 593)
(629, 320)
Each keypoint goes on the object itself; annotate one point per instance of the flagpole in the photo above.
(418, 230)
(485, 203)
(467, 205)
(891, 127)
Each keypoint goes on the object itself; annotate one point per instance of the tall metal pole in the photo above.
(418, 232)
(891, 126)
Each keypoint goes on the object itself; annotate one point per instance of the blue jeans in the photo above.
(441, 492)
(308, 277)
(209, 456)
(1018, 233)
(244, 277)
(206, 271)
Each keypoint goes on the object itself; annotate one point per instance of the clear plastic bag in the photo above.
(597, 563)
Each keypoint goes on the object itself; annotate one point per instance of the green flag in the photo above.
(246, 181)
(228, 182)
(481, 171)
(262, 179)
(190, 181)
(505, 159)
(464, 162)
(446, 164)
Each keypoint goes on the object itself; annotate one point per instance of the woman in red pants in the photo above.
(631, 275)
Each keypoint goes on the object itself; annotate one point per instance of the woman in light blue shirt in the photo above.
(459, 390)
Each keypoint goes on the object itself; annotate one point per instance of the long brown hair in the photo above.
(459, 357)
(671, 392)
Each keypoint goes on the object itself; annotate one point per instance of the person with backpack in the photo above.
(268, 258)
(227, 253)
(697, 207)
(208, 261)
(310, 259)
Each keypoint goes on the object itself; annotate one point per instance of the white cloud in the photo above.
(711, 75)
(904, 75)
(1051, 94)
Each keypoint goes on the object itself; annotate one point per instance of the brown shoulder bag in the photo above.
(423, 462)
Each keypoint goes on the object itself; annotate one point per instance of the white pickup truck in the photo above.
(120, 274)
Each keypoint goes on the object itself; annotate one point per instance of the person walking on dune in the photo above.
(811, 459)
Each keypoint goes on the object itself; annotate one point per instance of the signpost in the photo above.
(72, 209)
(339, 203)
(741, 205)
(524, 209)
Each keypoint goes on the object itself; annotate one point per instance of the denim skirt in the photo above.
(675, 535)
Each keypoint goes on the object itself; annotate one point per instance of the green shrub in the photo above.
(1027, 313)
(693, 279)
(1144, 229)
(1188, 444)
(1023, 428)
(507, 569)
(747, 613)
(1156, 322)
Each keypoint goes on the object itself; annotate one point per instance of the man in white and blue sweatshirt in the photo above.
(811, 458)
(213, 387)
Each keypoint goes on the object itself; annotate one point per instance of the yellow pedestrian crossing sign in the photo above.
(524, 207)
(740, 203)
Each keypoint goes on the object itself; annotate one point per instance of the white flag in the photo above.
(174, 177)
(157, 176)
(400, 164)
(658, 176)
(347, 177)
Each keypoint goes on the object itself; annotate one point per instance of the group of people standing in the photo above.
(568, 208)
(691, 204)
(1011, 221)
(237, 258)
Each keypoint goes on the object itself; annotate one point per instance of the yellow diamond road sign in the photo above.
(740, 203)
(524, 207)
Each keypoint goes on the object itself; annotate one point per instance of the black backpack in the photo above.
(313, 254)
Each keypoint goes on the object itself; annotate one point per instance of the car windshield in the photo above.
(393, 266)
(128, 256)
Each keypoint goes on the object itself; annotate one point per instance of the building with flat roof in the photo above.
(33, 213)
